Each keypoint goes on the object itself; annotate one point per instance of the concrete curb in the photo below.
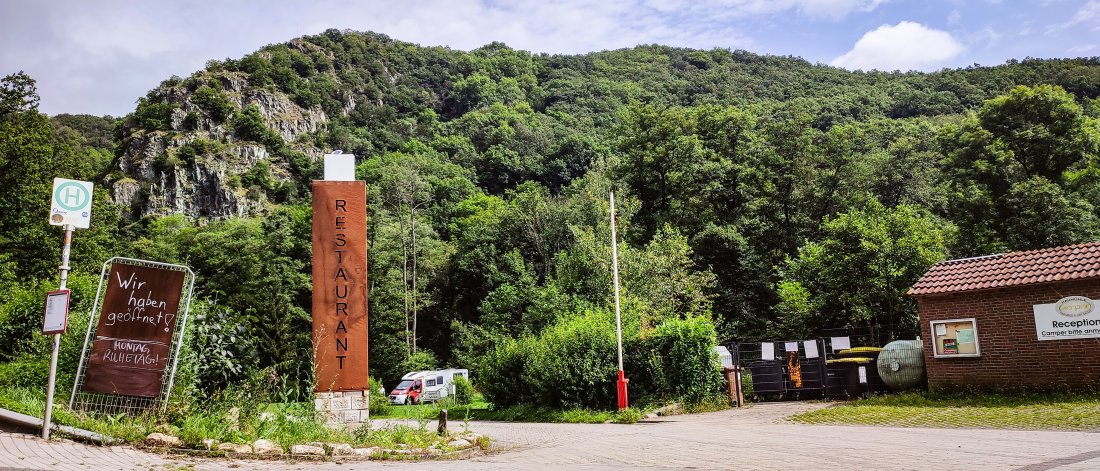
(78, 434)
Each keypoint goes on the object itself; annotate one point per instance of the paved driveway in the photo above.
(751, 438)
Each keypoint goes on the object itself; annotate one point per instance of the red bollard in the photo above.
(623, 401)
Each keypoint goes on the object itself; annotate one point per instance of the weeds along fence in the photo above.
(842, 364)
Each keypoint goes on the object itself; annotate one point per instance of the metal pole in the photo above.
(88, 334)
(56, 337)
(179, 342)
(622, 382)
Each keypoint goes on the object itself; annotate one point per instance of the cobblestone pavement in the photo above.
(753, 438)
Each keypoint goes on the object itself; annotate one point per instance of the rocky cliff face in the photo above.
(196, 167)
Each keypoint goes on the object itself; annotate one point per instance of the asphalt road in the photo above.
(753, 438)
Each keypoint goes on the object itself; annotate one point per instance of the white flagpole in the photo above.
(622, 382)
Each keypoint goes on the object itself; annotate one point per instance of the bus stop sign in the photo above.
(71, 203)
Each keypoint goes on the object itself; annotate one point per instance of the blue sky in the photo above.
(99, 56)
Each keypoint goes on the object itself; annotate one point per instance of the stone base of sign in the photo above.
(342, 407)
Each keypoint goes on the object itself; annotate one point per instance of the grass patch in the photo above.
(430, 411)
(479, 409)
(484, 411)
(226, 420)
(525, 413)
(1059, 411)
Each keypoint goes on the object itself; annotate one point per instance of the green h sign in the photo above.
(72, 196)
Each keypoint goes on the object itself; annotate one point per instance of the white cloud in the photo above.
(823, 9)
(1087, 16)
(986, 35)
(1080, 49)
(836, 9)
(904, 46)
(954, 17)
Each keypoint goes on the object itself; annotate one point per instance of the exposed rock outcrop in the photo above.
(161, 174)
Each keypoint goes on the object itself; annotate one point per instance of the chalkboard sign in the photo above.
(132, 341)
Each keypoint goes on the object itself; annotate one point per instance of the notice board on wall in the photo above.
(955, 338)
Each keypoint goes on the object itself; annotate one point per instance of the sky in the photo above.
(99, 56)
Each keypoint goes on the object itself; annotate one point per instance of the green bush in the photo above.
(213, 102)
(570, 364)
(379, 401)
(500, 369)
(152, 116)
(464, 391)
(573, 363)
(25, 373)
(679, 362)
(420, 361)
(249, 125)
(21, 321)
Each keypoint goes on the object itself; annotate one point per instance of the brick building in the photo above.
(1018, 320)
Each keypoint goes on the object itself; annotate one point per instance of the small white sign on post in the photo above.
(71, 203)
(840, 343)
(339, 167)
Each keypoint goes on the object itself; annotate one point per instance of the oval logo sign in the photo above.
(1074, 306)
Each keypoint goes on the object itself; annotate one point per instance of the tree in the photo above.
(409, 184)
(994, 156)
(858, 273)
(1045, 216)
(32, 153)
(1043, 129)
(18, 94)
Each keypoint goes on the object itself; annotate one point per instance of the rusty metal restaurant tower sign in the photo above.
(340, 277)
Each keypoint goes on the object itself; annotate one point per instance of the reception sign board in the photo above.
(1072, 317)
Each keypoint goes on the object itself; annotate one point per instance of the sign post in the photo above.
(340, 291)
(622, 383)
(71, 207)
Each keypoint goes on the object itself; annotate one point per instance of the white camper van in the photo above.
(426, 386)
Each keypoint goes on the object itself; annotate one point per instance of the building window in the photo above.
(955, 338)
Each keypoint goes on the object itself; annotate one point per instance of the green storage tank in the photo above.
(901, 364)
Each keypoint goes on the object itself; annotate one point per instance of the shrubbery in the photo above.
(463, 392)
(573, 364)
(677, 361)
(21, 340)
(379, 401)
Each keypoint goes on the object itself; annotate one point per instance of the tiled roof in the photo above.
(1072, 262)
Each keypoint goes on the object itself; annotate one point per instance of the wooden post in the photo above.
(740, 387)
(442, 430)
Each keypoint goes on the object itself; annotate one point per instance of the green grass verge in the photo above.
(225, 422)
(1060, 411)
(481, 410)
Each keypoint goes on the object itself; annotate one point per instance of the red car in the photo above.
(408, 392)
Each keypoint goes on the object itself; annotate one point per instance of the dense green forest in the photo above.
(759, 197)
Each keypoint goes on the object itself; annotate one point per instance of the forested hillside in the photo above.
(759, 196)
